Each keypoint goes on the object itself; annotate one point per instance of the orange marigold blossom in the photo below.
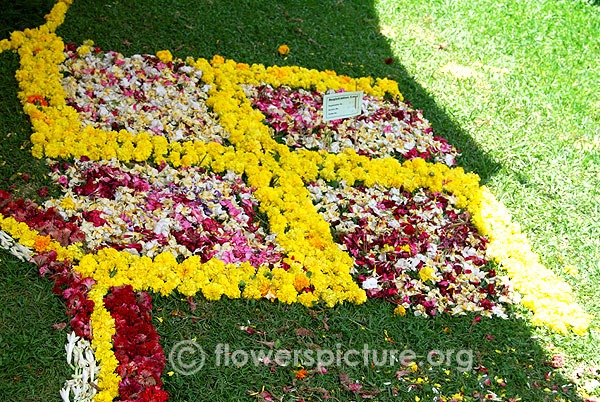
(37, 100)
(217, 60)
(41, 243)
(301, 282)
(283, 50)
(301, 374)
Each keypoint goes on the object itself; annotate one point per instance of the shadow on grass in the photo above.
(342, 36)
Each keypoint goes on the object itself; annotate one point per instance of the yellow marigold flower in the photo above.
(307, 299)
(164, 55)
(5, 45)
(283, 50)
(27, 237)
(287, 294)
(212, 291)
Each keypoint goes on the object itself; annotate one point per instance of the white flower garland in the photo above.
(14, 247)
(80, 357)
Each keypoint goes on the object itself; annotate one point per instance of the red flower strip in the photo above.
(136, 345)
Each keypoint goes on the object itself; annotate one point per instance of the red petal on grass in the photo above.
(59, 326)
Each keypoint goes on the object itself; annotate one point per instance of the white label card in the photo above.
(342, 105)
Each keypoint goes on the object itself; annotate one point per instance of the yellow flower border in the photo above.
(103, 329)
(277, 173)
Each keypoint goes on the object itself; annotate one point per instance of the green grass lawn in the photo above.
(32, 354)
(513, 84)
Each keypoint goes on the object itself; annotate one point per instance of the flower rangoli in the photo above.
(222, 179)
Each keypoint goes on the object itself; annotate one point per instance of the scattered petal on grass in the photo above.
(305, 332)
(556, 362)
(301, 374)
(59, 326)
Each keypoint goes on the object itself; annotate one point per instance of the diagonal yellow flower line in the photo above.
(277, 173)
